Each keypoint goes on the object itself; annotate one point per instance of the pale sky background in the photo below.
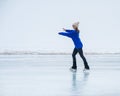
(32, 25)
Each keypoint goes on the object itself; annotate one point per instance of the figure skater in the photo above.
(74, 35)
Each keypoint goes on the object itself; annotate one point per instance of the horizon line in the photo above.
(51, 53)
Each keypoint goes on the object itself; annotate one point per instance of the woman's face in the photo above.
(74, 27)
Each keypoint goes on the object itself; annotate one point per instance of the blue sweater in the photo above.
(74, 35)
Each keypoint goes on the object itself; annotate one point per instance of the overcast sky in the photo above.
(34, 24)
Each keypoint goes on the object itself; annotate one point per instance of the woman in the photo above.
(74, 35)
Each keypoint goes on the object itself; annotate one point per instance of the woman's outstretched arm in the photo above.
(67, 30)
(64, 34)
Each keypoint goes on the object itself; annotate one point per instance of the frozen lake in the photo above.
(49, 75)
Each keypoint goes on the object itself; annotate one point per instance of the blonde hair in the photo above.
(76, 24)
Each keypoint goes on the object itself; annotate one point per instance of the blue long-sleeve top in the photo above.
(74, 35)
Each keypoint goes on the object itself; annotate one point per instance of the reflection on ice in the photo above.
(78, 84)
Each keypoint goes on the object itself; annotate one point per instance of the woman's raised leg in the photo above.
(83, 58)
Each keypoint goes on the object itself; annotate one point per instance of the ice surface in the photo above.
(49, 75)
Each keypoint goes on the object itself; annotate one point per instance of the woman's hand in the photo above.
(64, 29)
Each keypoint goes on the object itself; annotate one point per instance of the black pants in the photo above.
(80, 51)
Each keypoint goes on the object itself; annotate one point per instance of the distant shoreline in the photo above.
(50, 53)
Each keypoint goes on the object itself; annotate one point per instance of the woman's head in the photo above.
(75, 25)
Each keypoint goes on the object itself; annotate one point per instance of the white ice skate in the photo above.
(73, 70)
(86, 70)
